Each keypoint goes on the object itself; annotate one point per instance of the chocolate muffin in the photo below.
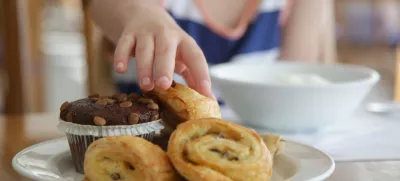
(88, 119)
(107, 111)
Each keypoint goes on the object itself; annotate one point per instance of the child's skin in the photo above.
(144, 29)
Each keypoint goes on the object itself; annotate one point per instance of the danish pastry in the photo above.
(127, 158)
(214, 149)
(181, 103)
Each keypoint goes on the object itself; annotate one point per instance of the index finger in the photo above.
(123, 51)
(194, 59)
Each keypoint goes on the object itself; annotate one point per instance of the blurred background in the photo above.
(51, 52)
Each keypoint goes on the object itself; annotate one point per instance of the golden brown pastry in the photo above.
(126, 158)
(275, 144)
(212, 149)
(181, 103)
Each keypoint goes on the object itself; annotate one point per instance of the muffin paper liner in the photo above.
(136, 129)
(81, 136)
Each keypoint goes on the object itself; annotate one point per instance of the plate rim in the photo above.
(25, 173)
(328, 172)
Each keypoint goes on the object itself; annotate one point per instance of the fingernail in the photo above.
(120, 66)
(146, 81)
(162, 81)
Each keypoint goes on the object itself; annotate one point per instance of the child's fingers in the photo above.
(194, 59)
(144, 53)
(122, 52)
(182, 70)
(164, 59)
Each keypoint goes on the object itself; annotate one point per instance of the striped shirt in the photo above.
(257, 41)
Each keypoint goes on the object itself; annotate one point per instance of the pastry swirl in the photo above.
(214, 149)
(181, 103)
(127, 158)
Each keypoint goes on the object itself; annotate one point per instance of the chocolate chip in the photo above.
(234, 158)
(155, 117)
(215, 150)
(133, 118)
(94, 95)
(122, 97)
(133, 96)
(145, 100)
(102, 102)
(99, 121)
(111, 101)
(115, 176)
(153, 106)
(126, 104)
(69, 117)
(64, 106)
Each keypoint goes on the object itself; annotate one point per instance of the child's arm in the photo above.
(303, 31)
(144, 29)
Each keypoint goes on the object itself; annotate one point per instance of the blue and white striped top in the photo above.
(258, 40)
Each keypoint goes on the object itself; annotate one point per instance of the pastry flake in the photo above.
(275, 143)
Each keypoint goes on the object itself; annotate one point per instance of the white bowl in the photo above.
(251, 89)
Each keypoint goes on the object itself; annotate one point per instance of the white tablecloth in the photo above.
(364, 137)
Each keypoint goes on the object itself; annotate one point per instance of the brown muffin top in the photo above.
(118, 109)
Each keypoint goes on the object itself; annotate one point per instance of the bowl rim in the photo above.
(372, 75)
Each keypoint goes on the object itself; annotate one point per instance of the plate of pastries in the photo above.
(164, 135)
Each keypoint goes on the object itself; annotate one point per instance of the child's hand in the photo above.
(154, 38)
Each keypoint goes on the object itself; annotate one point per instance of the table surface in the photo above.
(19, 132)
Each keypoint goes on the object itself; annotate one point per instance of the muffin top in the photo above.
(118, 109)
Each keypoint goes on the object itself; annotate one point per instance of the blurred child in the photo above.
(186, 36)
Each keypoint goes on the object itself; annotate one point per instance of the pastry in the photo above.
(213, 149)
(94, 117)
(127, 158)
(275, 144)
(182, 103)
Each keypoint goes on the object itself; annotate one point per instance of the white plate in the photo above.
(51, 161)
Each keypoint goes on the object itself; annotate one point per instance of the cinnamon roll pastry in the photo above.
(126, 158)
(214, 149)
(181, 103)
